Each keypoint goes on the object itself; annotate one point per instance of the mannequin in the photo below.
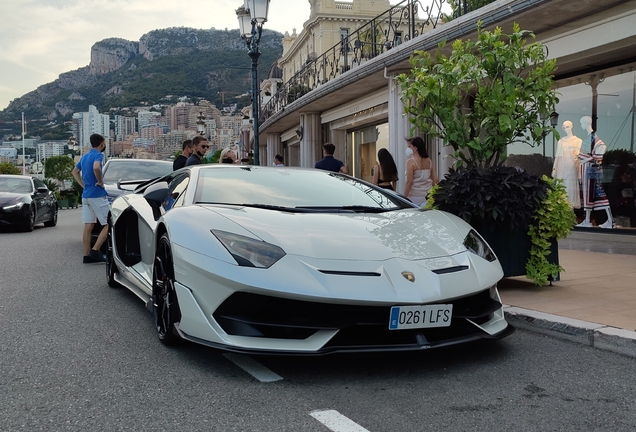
(591, 157)
(566, 164)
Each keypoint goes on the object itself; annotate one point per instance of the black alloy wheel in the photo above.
(111, 268)
(29, 224)
(53, 221)
(164, 296)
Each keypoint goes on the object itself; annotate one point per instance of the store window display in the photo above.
(591, 157)
(566, 164)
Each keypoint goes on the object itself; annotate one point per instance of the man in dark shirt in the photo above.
(181, 160)
(199, 147)
(330, 163)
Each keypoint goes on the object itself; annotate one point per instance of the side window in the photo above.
(38, 184)
(176, 190)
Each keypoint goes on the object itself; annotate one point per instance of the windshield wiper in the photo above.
(349, 209)
(262, 206)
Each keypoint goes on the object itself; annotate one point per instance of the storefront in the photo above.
(608, 98)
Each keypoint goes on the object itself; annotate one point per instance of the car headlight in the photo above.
(13, 207)
(249, 252)
(478, 246)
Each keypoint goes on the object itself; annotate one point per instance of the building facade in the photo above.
(360, 109)
(91, 122)
(124, 127)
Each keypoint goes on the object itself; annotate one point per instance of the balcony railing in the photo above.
(403, 22)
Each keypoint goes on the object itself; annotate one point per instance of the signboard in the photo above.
(37, 167)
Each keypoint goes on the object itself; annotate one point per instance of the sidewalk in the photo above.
(594, 302)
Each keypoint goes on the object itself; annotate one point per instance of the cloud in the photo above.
(39, 39)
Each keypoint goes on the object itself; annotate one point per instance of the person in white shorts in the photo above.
(88, 173)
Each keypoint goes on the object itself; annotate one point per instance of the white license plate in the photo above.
(408, 317)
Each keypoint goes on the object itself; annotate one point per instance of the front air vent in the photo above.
(349, 273)
(451, 269)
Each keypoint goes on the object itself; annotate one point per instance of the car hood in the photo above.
(410, 234)
(11, 197)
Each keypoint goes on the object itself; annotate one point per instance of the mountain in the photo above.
(170, 62)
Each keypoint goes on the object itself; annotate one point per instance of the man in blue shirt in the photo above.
(88, 173)
(330, 163)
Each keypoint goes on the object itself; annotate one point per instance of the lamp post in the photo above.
(554, 121)
(251, 16)
(201, 124)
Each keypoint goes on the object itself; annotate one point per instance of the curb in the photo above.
(586, 333)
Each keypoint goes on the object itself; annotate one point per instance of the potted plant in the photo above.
(481, 97)
(62, 202)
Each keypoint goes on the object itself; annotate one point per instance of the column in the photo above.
(274, 147)
(399, 130)
(311, 140)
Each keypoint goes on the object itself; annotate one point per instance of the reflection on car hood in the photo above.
(10, 197)
(410, 234)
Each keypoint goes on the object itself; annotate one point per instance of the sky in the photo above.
(40, 39)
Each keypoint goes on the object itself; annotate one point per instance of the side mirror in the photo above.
(43, 190)
(156, 194)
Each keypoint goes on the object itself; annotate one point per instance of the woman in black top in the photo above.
(385, 172)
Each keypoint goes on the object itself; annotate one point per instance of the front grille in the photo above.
(246, 314)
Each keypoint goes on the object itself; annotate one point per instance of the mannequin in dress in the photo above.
(566, 164)
(591, 157)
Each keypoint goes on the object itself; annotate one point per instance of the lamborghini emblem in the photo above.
(408, 276)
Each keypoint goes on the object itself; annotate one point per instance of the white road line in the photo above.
(253, 367)
(337, 422)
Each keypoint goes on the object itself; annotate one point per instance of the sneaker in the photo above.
(608, 224)
(585, 224)
(95, 256)
(89, 260)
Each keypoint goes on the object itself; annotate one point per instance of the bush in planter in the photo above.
(485, 95)
(502, 195)
(519, 214)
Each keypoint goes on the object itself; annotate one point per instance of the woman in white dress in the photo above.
(566, 164)
(420, 172)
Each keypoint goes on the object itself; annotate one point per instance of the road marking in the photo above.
(253, 367)
(337, 422)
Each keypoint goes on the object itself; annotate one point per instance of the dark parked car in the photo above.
(26, 201)
(122, 176)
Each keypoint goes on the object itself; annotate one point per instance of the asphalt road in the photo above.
(77, 355)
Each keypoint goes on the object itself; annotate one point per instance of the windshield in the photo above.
(15, 185)
(126, 170)
(290, 189)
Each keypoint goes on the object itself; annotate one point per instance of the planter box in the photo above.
(62, 203)
(512, 248)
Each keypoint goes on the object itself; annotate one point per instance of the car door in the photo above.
(41, 201)
(147, 221)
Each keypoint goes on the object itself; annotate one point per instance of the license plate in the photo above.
(409, 317)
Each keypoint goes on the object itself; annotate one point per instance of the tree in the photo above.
(9, 168)
(462, 7)
(484, 96)
(59, 167)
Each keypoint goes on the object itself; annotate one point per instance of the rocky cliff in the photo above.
(111, 54)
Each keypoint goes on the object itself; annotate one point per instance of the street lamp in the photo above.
(201, 124)
(251, 16)
(554, 121)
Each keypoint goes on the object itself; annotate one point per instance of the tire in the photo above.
(111, 268)
(30, 223)
(164, 296)
(53, 221)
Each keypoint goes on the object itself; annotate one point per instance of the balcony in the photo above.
(402, 22)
